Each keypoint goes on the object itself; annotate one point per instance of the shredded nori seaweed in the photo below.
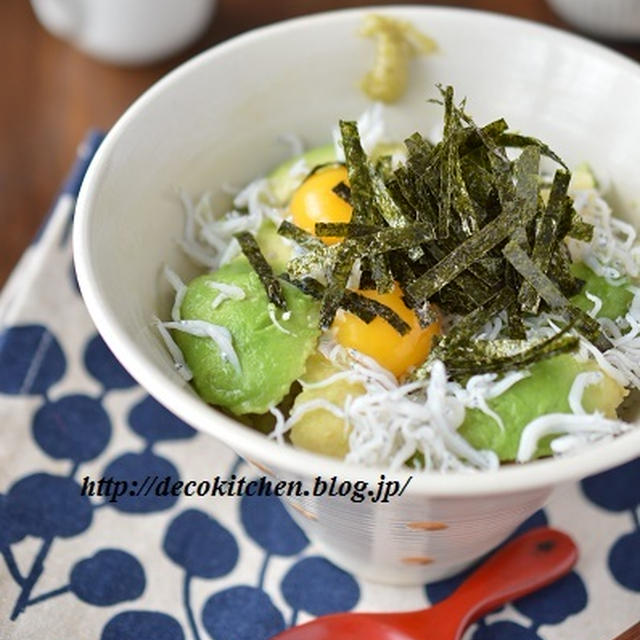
(343, 191)
(299, 236)
(251, 250)
(459, 226)
(363, 307)
(360, 305)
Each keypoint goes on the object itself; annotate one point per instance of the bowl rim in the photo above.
(252, 444)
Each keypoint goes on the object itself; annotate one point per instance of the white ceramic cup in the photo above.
(126, 31)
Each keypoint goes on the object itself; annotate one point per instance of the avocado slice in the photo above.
(615, 300)
(545, 391)
(270, 359)
(283, 184)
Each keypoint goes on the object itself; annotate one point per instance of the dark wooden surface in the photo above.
(630, 634)
(52, 94)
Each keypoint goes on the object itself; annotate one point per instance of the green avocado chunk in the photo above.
(283, 184)
(545, 391)
(270, 359)
(276, 249)
(615, 300)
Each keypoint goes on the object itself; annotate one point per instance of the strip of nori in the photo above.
(365, 308)
(365, 211)
(320, 259)
(517, 140)
(366, 240)
(358, 171)
(343, 191)
(386, 205)
(419, 198)
(492, 234)
(525, 266)
(471, 139)
(345, 258)
(495, 356)
(464, 205)
(515, 326)
(475, 283)
(381, 272)
(560, 272)
(546, 239)
(367, 283)
(579, 229)
(270, 282)
(470, 324)
(487, 137)
(361, 304)
(445, 199)
(548, 291)
(343, 229)
(299, 236)
(308, 285)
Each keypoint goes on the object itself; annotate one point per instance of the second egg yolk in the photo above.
(379, 340)
(314, 201)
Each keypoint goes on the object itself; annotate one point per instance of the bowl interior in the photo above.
(216, 120)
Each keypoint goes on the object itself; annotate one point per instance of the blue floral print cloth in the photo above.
(78, 565)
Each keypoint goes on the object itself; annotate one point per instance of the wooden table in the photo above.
(52, 94)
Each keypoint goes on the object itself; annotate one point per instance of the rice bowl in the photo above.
(552, 85)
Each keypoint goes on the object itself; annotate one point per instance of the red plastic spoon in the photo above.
(531, 561)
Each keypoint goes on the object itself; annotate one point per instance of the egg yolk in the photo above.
(314, 201)
(379, 340)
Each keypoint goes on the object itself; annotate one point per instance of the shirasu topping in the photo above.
(174, 350)
(227, 292)
(220, 335)
(180, 288)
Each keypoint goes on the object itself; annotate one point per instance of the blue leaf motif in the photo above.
(11, 531)
(142, 625)
(318, 587)
(46, 506)
(108, 577)
(504, 630)
(75, 427)
(624, 560)
(538, 519)
(146, 473)
(104, 366)
(150, 420)
(616, 489)
(555, 603)
(270, 526)
(31, 360)
(241, 613)
(441, 589)
(200, 545)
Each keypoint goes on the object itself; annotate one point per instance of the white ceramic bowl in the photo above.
(216, 119)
